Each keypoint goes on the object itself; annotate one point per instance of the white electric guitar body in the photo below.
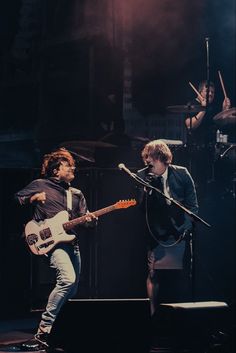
(43, 236)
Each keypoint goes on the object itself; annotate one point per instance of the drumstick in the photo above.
(195, 90)
(222, 84)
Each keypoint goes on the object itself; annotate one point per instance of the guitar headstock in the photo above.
(125, 203)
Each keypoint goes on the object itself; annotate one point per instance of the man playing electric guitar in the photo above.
(49, 196)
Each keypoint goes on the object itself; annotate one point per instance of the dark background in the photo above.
(59, 61)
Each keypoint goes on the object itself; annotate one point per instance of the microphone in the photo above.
(121, 166)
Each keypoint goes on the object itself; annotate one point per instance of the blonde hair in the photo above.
(157, 149)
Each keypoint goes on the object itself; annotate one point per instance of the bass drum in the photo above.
(225, 164)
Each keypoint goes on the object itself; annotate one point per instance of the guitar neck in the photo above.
(80, 220)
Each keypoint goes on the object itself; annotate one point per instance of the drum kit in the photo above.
(226, 117)
(85, 149)
(223, 152)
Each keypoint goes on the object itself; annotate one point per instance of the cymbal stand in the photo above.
(190, 144)
(208, 71)
(207, 39)
(190, 139)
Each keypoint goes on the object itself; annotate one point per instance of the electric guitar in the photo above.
(43, 236)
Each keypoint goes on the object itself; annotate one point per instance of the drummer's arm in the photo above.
(198, 117)
(196, 120)
(226, 104)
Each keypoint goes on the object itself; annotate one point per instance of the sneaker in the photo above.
(31, 345)
(42, 338)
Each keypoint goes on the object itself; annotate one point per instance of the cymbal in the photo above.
(225, 117)
(139, 138)
(84, 158)
(88, 144)
(83, 154)
(188, 108)
(173, 142)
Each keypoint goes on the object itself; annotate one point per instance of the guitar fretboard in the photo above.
(80, 220)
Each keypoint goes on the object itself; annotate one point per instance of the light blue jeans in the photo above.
(66, 261)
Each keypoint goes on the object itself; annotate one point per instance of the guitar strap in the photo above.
(69, 200)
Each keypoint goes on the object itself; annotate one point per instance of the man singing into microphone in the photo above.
(168, 226)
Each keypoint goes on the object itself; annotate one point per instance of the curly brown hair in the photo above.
(52, 161)
(157, 149)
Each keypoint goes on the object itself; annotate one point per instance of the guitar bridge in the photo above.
(45, 245)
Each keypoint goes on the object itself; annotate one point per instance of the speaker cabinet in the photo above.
(190, 324)
(102, 326)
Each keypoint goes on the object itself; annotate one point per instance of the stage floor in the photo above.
(14, 332)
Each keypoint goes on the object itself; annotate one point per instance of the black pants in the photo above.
(172, 286)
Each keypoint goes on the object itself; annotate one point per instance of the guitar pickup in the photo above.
(45, 245)
(45, 233)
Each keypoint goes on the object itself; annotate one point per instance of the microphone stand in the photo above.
(208, 71)
(192, 215)
(190, 143)
(170, 199)
(207, 39)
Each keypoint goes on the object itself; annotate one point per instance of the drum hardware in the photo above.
(225, 167)
(231, 146)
